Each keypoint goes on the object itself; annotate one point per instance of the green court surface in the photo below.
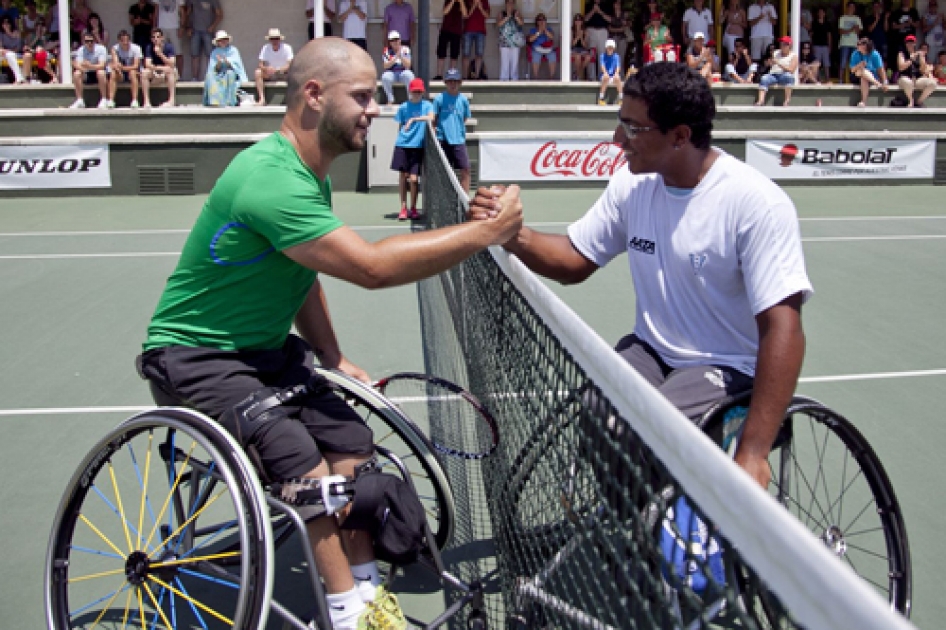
(79, 279)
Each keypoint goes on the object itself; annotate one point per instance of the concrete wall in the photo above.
(248, 21)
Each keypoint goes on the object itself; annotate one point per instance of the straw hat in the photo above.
(221, 34)
(274, 33)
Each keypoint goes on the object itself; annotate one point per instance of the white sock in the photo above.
(600, 96)
(345, 608)
(367, 579)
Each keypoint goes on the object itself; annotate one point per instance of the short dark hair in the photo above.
(156, 31)
(739, 40)
(675, 95)
(123, 33)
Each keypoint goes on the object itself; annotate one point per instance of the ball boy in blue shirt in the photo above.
(409, 147)
(452, 109)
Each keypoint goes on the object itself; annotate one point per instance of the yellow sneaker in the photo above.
(384, 613)
(601, 101)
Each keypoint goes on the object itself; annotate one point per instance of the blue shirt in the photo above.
(413, 138)
(874, 62)
(611, 63)
(451, 112)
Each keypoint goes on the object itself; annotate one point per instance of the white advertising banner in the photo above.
(549, 160)
(843, 159)
(29, 167)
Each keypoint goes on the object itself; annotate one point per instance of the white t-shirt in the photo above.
(98, 55)
(703, 264)
(130, 56)
(168, 16)
(785, 59)
(353, 27)
(276, 58)
(698, 22)
(329, 4)
(764, 27)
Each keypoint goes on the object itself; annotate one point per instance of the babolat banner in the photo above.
(80, 166)
(843, 159)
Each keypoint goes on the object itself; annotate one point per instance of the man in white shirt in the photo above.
(170, 19)
(715, 254)
(762, 18)
(353, 16)
(697, 20)
(274, 62)
(89, 68)
(126, 68)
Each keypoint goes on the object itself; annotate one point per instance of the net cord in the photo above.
(816, 586)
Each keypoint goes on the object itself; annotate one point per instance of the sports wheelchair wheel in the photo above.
(827, 475)
(163, 525)
(396, 433)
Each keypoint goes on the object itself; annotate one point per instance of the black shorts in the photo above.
(456, 155)
(407, 160)
(213, 381)
(692, 390)
(89, 77)
(448, 40)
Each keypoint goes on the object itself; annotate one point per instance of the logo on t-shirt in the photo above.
(642, 245)
(697, 261)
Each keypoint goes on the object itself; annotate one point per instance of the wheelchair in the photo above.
(823, 471)
(165, 524)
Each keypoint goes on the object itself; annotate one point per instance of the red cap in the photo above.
(785, 40)
(656, 15)
(909, 38)
(417, 85)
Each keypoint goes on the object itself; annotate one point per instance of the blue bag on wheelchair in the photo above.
(689, 551)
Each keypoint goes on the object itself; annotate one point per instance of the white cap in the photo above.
(610, 44)
(699, 35)
(221, 35)
(394, 35)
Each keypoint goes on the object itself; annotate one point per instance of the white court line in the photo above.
(58, 411)
(842, 239)
(870, 377)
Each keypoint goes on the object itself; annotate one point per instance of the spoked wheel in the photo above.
(396, 433)
(827, 475)
(164, 525)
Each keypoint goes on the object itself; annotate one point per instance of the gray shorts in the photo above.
(201, 43)
(692, 390)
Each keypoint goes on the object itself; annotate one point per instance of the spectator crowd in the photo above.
(866, 45)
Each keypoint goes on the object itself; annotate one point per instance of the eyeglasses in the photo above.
(631, 131)
(90, 41)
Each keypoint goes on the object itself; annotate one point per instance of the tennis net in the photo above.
(581, 512)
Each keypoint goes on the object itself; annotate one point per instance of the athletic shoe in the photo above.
(601, 101)
(384, 613)
(110, 104)
(103, 104)
(402, 215)
(134, 104)
(414, 214)
(79, 104)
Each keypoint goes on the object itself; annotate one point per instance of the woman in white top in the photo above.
(782, 72)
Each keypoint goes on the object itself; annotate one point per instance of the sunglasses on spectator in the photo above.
(631, 131)
(89, 41)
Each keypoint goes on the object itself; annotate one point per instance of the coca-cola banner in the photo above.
(81, 166)
(843, 159)
(516, 160)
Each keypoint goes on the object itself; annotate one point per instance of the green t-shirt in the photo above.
(233, 288)
(848, 21)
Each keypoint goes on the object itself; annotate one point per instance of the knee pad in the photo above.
(387, 508)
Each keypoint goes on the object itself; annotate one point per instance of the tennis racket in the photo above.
(458, 423)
